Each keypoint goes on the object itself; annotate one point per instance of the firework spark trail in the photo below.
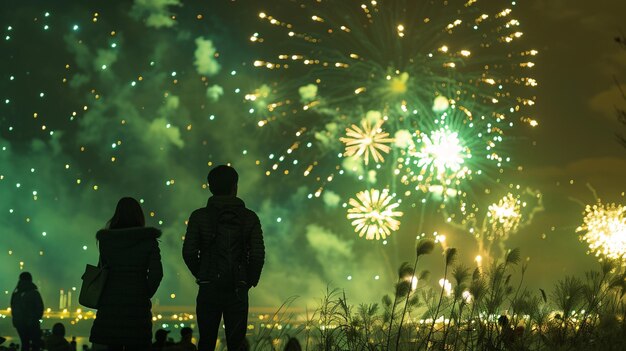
(503, 218)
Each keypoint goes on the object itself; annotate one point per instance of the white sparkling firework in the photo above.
(505, 215)
(604, 227)
(443, 154)
(373, 214)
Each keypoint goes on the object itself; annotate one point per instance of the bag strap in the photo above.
(101, 262)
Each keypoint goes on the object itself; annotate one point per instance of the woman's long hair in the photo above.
(128, 213)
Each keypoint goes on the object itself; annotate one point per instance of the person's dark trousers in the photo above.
(213, 303)
(30, 337)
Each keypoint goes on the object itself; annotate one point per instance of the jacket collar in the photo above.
(23, 285)
(225, 200)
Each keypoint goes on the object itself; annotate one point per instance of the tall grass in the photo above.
(486, 309)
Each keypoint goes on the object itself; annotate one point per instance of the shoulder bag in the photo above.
(94, 280)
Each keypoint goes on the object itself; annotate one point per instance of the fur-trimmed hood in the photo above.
(126, 235)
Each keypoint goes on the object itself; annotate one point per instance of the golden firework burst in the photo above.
(367, 140)
(373, 214)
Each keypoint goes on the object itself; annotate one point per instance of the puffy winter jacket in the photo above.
(26, 305)
(133, 258)
(224, 215)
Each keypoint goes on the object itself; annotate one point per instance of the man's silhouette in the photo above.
(224, 250)
(27, 310)
(185, 344)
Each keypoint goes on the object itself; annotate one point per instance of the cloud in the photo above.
(559, 9)
(332, 253)
(353, 164)
(307, 93)
(373, 117)
(582, 13)
(214, 92)
(155, 12)
(79, 80)
(99, 125)
(104, 59)
(327, 245)
(371, 176)
(47, 211)
(331, 199)
(403, 138)
(80, 51)
(606, 101)
(328, 137)
(205, 61)
(160, 131)
(583, 168)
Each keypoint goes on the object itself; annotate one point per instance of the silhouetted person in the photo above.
(130, 250)
(507, 335)
(73, 344)
(27, 310)
(293, 345)
(56, 341)
(185, 344)
(224, 250)
(160, 340)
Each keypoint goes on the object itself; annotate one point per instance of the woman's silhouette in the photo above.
(131, 252)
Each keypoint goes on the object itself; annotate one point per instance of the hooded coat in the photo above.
(133, 258)
(26, 305)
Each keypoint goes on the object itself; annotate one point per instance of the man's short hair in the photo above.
(222, 180)
(161, 335)
(186, 331)
(58, 329)
(26, 276)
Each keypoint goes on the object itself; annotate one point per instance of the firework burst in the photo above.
(373, 214)
(505, 216)
(604, 228)
(449, 77)
(396, 54)
(454, 154)
(442, 152)
(367, 140)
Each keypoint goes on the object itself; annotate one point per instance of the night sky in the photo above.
(102, 99)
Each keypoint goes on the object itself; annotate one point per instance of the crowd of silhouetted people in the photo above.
(55, 340)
